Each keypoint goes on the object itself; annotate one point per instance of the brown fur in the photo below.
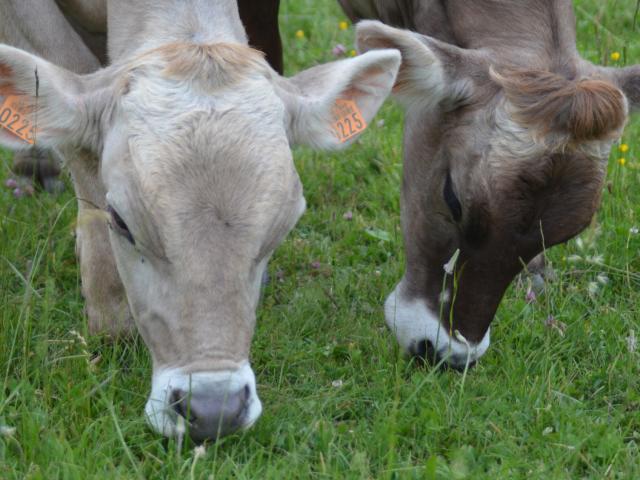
(219, 63)
(525, 149)
(586, 109)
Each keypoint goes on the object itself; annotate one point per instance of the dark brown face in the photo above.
(505, 145)
(481, 184)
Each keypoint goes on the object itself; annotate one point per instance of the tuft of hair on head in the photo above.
(578, 110)
(216, 64)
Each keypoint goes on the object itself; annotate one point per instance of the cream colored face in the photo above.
(194, 142)
(198, 200)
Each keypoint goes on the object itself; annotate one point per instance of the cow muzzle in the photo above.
(204, 405)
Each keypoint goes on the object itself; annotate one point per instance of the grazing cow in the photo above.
(180, 156)
(507, 136)
(72, 21)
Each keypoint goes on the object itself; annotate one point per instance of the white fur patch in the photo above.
(412, 322)
(162, 417)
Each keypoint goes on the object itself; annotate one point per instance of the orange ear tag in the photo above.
(347, 120)
(14, 117)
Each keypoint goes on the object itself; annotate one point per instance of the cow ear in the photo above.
(329, 106)
(628, 80)
(41, 103)
(431, 71)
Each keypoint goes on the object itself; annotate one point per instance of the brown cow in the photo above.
(507, 136)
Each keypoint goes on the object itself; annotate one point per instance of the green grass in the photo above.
(540, 404)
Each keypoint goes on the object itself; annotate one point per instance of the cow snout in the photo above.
(210, 415)
(206, 404)
(425, 352)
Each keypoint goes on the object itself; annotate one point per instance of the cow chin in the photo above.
(203, 405)
(421, 334)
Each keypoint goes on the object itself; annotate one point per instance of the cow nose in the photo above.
(211, 415)
(425, 352)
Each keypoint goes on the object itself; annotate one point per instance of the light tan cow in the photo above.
(180, 156)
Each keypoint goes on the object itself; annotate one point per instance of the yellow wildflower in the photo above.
(622, 161)
(624, 148)
(615, 56)
(343, 25)
(300, 34)
(353, 53)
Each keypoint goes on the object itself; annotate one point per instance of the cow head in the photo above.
(501, 161)
(193, 149)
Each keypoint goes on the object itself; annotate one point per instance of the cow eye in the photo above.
(118, 225)
(450, 198)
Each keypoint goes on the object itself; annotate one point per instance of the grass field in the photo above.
(551, 399)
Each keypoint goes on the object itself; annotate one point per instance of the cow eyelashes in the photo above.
(451, 200)
(118, 225)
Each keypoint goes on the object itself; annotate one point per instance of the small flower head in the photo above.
(348, 215)
(574, 258)
(300, 34)
(343, 25)
(339, 50)
(451, 264)
(353, 53)
(632, 341)
(6, 431)
(11, 183)
(615, 56)
(623, 147)
(18, 193)
(199, 451)
(622, 161)
(634, 230)
(530, 297)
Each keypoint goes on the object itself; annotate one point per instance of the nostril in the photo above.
(425, 353)
(247, 392)
(423, 350)
(179, 401)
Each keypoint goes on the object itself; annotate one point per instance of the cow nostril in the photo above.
(247, 392)
(211, 414)
(424, 351)
(179, 401)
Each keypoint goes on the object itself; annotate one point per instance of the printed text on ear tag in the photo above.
(15, 117)
(348, 120)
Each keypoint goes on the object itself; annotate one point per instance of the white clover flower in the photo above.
(597, 259)
(632, 342)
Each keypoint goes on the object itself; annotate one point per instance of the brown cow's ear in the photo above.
(431, 71)
(43, 104)
(628, 80)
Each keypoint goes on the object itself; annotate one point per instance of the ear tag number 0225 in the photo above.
(348, 120)
(14, 117)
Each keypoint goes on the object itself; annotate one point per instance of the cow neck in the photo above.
(536, 34)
